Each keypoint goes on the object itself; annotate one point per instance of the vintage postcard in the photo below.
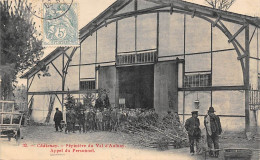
(129, 79)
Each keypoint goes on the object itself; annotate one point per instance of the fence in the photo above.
(254, 99)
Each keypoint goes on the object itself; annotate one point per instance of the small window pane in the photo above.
(197, 80)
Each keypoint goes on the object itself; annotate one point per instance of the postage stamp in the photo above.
(60, 24)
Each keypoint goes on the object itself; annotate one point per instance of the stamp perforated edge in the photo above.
(61, 45)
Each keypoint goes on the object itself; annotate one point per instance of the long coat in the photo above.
(192, 126)
(215, 125)
(58, 116)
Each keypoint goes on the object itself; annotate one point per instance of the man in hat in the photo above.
(213, 128)
(192, 125)
(57, 119)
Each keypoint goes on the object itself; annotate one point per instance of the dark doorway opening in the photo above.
(136, 86)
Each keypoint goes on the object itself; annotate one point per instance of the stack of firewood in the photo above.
(154, 133)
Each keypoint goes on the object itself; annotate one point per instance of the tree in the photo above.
(70, 102)
(221, 4)
(20, 43)
(88, 100)
(102, 100)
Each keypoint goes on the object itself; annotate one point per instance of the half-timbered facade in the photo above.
(167, 55)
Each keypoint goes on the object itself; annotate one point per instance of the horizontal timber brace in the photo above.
(215, 88)
(234, 116)
(62, 92)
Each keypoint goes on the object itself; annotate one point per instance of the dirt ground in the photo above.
(42, 142)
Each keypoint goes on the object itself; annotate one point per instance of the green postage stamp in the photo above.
(60, 24)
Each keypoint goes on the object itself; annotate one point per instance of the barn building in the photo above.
(162, 54)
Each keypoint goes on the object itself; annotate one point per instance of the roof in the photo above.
(109, 14)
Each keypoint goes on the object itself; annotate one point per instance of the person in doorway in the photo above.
(57, 119)
(192, 125)
(213, 129)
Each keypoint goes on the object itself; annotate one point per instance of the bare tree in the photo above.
(221, 4)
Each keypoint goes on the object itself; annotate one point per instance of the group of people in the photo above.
(213, 130)
(93, 119)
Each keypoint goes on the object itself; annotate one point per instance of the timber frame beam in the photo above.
(66, 66)
(190, 11)
(56, 69)
(29, 85)
(62, 92)
(213, 88)
(237, 33)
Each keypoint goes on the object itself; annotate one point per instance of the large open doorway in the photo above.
(136, 86)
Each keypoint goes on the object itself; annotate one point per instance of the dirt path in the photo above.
(44, 143)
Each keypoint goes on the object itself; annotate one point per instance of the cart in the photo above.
(10, 121)
(237, 154)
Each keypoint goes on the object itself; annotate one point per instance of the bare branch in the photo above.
(220, 4)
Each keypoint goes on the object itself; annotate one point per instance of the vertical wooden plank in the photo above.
(116, 48)
(211, 62)
(96, 59)
(12, 116)
(157, 34)
(184, 50)
(79, 66)
(62, 96)
(247, 118)
(135, 26)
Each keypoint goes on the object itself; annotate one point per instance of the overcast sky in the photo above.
(89, 9)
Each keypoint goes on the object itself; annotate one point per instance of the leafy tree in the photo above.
(221, 4)
(70, 102)
(102, 99)
(20, 43)
(88, 100)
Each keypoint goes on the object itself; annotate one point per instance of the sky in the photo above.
(89, 9)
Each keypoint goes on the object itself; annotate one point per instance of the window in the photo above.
(87, 85)
(197, 80)
(139, 57)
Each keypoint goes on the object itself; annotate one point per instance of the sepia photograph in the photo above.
(129, 79)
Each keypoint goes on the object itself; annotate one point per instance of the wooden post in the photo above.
(63, 85)
(247, 118)
(184, 52)
(211, 62)
(117, 61)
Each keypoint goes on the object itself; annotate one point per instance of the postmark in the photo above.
(61, 31)
(36, 7)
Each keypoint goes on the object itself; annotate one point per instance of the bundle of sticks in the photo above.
(155, 133)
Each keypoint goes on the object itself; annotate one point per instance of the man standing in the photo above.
(81, 121)
(57, 119)
(114, 119)
(91, 120)
(106, 119)
(192, 125)
(99, 118)
(68, 120)
(213, 128)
